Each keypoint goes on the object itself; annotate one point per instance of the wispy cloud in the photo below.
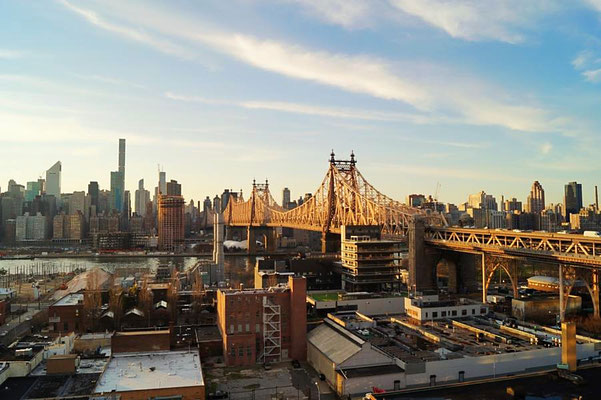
(112, 81)
(443, 94)
(587, 62)
(160, 44)
(438, 172)
(307, 109)
(346, 13)
(546, 148)
(500, 20)
(592, 75)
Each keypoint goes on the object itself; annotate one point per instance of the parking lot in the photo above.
(281, 381)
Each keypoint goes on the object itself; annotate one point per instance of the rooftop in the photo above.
(151, 370)
(70, 300)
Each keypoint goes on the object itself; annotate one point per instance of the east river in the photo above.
(237, 269)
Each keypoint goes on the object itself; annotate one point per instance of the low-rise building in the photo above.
(356, 353)
(427, 308)
(153, 375)
(66, 314)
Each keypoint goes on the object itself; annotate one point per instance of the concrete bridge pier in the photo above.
(330, 242)
(264, 234)
(422, 261)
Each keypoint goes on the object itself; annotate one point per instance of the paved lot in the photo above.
(256, 383)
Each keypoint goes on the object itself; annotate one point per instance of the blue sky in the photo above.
(476, 95)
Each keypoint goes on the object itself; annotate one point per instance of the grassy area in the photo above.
(325, 296)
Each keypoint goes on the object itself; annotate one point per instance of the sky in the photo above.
(464, 95)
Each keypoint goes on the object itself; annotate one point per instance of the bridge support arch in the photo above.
(490, 264)
(265, 235)
(568, 275)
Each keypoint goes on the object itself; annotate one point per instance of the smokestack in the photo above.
(596, 199)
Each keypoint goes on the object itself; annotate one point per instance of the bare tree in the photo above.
(92, 300)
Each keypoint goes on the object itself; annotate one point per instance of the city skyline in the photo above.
(495, 105)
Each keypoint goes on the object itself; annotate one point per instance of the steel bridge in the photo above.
(344, 197)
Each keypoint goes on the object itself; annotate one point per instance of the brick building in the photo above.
(139, 341)
(263, 325)
(66, 314)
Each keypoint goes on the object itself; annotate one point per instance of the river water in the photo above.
(237, 269)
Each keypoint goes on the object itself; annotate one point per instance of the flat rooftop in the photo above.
(69, 300)
(151, 370)
(439, 340)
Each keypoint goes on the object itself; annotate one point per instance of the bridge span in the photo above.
(345, 197)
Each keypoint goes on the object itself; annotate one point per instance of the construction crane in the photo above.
(436, 191)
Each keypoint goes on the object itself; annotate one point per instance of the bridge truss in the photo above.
(344, 197)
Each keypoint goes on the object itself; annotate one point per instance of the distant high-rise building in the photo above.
(416, 200)
(483, 201)
(285, 197)
(162, 182)
(77, 202)
(207, 205)
(116, 191)
(34, 188)
(171, 222)
(93, 193)
(217, 204)
(513, 205)
(142, 197)
(173, 188)
(536, 199)
(122, 159)
(53, 181)
(572, 199)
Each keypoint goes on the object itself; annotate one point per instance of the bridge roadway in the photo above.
(580, 250)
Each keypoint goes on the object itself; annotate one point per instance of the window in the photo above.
(239, 328)
(443, 313)
(463, 312)
(473, 311)
(434, 314)
(454, 313)
(240, 351)
(247, 327)
(249, 351)
(232, 328)
(233, 352)
(483, 310)
(66, 326)
(257, 328)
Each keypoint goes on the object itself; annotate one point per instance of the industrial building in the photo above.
(369, 263)
(356, 353)
(263, 325)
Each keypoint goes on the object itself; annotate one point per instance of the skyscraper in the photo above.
(170, 221)
(122, 160)
(116, 191)
(536, 199)
(142, 197)
(34, 188)
(285, 197)
(93, 192)
(572, 198)
(53, 181)
(162, 182)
